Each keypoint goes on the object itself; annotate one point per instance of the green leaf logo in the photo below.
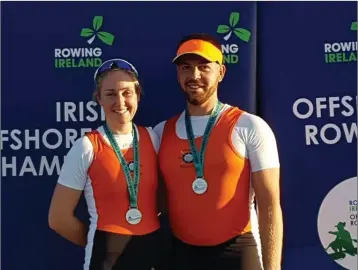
(105, 37)
(222, 29)
(86, 32)
(241, 33)
(354, 26)
(234, 18)
(97, 22)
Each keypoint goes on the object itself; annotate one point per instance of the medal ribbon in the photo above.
(199, 158)
(131, 183)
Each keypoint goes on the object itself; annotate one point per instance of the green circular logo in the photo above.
(337, 223)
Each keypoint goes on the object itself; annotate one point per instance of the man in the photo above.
(214, 157)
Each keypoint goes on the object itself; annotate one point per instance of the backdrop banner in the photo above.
(308, 86)
(49, 54)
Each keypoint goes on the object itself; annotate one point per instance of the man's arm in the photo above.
(262, 152)
(266, 185)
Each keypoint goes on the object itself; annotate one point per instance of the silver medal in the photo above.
(200, 186)
(133, 216)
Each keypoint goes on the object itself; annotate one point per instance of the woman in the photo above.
(116, 168)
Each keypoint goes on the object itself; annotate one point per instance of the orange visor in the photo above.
(202, 48)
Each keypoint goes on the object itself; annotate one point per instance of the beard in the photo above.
(199, 99)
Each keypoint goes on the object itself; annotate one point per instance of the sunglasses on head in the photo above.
(114, 63)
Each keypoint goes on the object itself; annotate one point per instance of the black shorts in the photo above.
(121, 252)
(239, 253)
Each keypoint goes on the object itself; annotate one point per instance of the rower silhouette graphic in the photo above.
(343, 244)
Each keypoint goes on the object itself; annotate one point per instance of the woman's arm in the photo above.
(61, 215)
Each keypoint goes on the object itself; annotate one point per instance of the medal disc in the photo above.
(133, 216)
(200, 186)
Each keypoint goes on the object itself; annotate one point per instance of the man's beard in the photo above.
(202, 98)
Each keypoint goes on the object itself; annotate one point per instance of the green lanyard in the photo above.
(131, 183)
(199, 158)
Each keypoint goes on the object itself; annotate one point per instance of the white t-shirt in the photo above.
(252, 138)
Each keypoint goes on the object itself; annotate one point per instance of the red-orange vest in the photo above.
(222, 212)
(110, 187)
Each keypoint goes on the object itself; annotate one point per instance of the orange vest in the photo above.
(222, 212)
(110, 189)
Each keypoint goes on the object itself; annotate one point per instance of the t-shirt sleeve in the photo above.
(260, 142)
(158, 129)
(74, 169)
(155, 139)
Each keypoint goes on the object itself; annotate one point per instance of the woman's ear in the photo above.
(97, 97)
